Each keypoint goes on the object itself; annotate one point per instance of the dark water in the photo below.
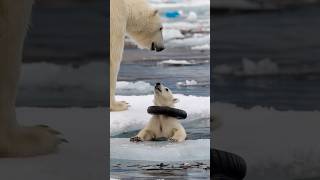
(150, 72)
(289, 38)
(152, 170)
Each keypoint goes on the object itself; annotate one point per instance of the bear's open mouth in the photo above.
(157, 88)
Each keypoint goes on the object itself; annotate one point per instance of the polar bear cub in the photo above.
(161, 126)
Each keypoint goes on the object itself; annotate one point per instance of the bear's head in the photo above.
(144, 25)
(163, 96)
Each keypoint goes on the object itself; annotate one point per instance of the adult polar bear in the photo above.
(142, 23)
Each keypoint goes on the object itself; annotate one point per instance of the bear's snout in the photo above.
(155, 47)
(158, 87)
(159, 48)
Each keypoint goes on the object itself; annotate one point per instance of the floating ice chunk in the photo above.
(190, 150)
(192, 17)
(189, 42)
(169, 34)
(191, 83)
(201, 47)
(177, 62)
(136, 117)
(188, 83)
(265, 66)
(137, 88)
(249, 67)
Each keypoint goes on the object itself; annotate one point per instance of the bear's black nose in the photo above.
(158, 84)
(159, 49)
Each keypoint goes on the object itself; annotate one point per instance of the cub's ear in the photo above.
(175, 100)
(155, 12)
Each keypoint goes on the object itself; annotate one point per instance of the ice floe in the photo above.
(136, 117)
(190, 150)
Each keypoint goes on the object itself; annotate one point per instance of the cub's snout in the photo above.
(163, 96)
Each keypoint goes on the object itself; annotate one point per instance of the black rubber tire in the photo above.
(227, 166)
(168, 111)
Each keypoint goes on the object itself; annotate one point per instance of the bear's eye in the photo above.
(167, 89)
(161, 28)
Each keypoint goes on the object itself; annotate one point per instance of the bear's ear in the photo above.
(155, 12)
(175, 100)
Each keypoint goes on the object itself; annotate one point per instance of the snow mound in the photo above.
(136, 117)
(190, 150)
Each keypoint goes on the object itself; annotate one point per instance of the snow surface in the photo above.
(83, 158)
(190, 150)
(137, 117)
(276, 145)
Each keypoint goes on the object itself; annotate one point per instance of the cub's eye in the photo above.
(167, 89)
(161, 28)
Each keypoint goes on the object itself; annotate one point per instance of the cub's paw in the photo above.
(173, 140)
(31, 141)
(136, 139)
(119, 106)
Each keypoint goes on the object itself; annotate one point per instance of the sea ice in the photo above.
(190, 150)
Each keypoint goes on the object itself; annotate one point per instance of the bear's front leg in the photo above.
(115, 105)
(17, 141)
(179, 135)
(117, 35)
(143, 135)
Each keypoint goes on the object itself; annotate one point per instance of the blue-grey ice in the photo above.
(190, 150)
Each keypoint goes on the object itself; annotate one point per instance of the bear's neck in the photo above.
(135, 23)
(156, 103)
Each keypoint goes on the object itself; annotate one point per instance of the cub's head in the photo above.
(144, 26)
(163, 96)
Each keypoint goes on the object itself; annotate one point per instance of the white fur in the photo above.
(161, 126)
(16, 140)
(142, 23)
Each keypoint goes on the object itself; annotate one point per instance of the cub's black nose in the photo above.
(158, 84)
